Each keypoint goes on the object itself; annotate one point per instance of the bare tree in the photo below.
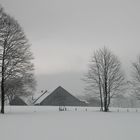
(136, 78)
(105, 77)
(15, 57)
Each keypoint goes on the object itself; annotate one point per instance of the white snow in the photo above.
(47, 123)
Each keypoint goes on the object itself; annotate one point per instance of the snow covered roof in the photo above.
(41, 97)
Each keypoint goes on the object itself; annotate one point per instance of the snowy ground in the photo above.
(47, 123)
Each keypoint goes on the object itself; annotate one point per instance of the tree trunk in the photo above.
(105, 100)
(105, 91)
(105, 105)
(108, 102)
(100, 90)
(101, 101)
(2, 96)
(2, 80)
(2, 89)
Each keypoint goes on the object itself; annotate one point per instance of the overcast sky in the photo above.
(64, 33)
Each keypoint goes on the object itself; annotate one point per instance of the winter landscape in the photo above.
(36, 123)
(69, 70)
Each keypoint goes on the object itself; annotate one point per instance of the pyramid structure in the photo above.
(61, 97)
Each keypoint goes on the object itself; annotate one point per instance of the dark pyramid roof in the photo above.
(61, 97)
(17, 101)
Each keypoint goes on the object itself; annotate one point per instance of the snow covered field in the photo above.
(47, 123)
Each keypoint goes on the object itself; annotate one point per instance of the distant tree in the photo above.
(104, 77)
(92, 100)
(20, 86)
(136, 78)
(15, 59)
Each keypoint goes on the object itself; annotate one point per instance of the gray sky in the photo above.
(64, 33)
